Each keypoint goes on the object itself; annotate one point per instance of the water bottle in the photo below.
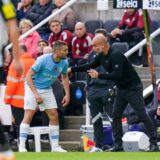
(78, 93)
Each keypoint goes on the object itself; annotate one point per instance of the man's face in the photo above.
(55, 27)
(59, 3)
(80, 31)
(43, 2)
(63, 52)
(97, 47)
(26, 2)
(41, 45)
(130, 11)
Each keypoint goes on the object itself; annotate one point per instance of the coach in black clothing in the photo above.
(129, 87)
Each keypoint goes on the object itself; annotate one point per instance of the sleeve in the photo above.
(64, 71)
(117, 67)
(121, 24)
(93, 64)
(7, 9)
(37, 66)
(12, 84)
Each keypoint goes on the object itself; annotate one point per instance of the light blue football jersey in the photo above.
(47, 71)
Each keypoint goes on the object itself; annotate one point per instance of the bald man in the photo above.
(81, 43)
(130, 89)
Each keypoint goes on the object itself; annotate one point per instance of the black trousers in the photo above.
(4, 145)
(18, 114)
(133, 96)
(96, 105)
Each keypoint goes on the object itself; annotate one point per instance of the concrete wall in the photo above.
(87, 10)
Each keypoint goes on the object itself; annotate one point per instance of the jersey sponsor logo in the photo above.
(57, 69)
(151, 4)
(127, 4)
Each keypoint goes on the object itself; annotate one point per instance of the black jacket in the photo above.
(38, 13)
(118, 69)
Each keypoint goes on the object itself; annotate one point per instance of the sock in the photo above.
(24, 129)
(54, 135)
(4, 145)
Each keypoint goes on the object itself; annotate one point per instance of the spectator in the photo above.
(23, 8)
(38, 91)
(39, 12)
(81, 44)
(58, 33)
(129, 88)
(130, 29)
(99, 100)
(66, 17)
(41, 44)
(14, 94)
(32, 39)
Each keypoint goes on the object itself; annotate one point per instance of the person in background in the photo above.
(39, 12)
(58, 33)
(38, 91)
(130, 29)
(31, 41)
(14, 93)
(41, 44)
(66, 17)
(8, 27)
(23, 8)
(81, 45)
(129, 88)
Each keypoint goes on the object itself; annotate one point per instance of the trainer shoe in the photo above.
(7, 155)
(58, 149)
(22, 149)
(95, 149)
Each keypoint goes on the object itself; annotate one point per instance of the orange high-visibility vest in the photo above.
(14, 93)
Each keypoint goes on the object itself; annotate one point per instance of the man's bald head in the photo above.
(80, 29)
(100, 44)
(100, 39)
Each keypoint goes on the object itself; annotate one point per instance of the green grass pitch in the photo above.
(89, 156)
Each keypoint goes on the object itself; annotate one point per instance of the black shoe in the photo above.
(116, 148)
(153, 148)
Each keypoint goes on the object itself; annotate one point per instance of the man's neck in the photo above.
(56, 59)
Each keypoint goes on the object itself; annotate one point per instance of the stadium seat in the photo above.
(109, 25)
(122, 46)
(153, 25)
(36, 132)
(92, 25)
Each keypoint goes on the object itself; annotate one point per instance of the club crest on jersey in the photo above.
(84, 44)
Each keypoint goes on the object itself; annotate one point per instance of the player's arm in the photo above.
(9, 16)
(29, 80)
(66, 85)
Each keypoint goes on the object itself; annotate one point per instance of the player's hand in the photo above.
(39, 99)
(66, 100)
(18, 67)
(93, 73)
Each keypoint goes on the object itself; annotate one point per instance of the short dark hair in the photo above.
(58, 44)
(102, 31)
(43, 40)
(54, 20)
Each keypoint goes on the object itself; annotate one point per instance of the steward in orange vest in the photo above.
(14, 94)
